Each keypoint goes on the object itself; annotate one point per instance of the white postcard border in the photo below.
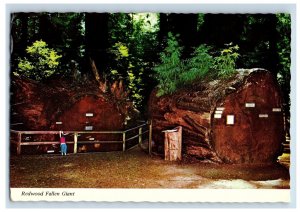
(151, 195)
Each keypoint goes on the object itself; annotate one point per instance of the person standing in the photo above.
(63, 145)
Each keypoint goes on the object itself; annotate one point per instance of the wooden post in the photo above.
(140, 135)
(75, 142)
(19, 143)
(150, 137)
(124, 139)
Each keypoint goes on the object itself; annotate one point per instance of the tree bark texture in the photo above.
(251, 99)
(62, 105)
(96, 25)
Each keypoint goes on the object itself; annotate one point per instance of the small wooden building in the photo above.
(234, 120)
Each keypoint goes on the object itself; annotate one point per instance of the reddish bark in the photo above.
(62, 105)
(255, 136)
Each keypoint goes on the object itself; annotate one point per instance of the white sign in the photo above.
(230, 119)
(91, 139)
(276, 109)
(89, 114)
(217, 116)
(263, 115)
(220, 108)
(88, 127)
(250, 104)
(58, 122)
(218, 112)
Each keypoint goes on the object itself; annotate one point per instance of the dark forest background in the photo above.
(128, 46)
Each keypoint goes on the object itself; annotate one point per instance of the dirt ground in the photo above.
(136, 169)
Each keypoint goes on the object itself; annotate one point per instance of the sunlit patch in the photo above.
(229, 184)
(269, 183)
(68, 165)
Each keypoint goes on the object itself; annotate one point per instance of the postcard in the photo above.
(149, 106)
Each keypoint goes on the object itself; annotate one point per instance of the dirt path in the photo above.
(135, 169)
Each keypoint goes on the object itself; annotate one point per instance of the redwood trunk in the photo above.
(64, 105)
(204, 109)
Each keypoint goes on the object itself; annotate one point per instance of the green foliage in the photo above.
(200, 20)
(172, 73)
(284, 52)
(133, 51)
(135, 86)
(224, 64)
(122, 50)
(41, 62)
(63, 31)
(134, 42)
(170, 68)
(133, 75)
(197, 66)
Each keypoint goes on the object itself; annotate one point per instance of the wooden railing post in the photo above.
(140, 135)
(75, 142)
(124, 140)
(19, 143)
(150, 137)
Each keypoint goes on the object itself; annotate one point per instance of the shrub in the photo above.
(225, 63)
(170, 68)
(172, 73)
(197, 66)
(42, 62)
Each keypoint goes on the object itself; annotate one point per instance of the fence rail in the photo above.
(19, 143)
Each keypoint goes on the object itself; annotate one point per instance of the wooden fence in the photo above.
(19, 142)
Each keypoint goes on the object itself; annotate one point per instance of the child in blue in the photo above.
(63, 145)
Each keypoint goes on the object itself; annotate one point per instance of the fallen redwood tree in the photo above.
(65, 104)
(233, 120)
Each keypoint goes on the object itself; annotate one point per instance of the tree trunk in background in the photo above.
(96, 35)
(186, 26)
(272, 60)
(45, 27)
(19, 36)
(163, 29)
(220, 29)
(183, 24)
(24, 32)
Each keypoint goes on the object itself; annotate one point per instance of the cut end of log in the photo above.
(231, 120)
(60, 105)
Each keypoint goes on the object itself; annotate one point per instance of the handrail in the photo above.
(52, 132)
(19, 133)
(136, 127)
(133, 137)
(15, 131)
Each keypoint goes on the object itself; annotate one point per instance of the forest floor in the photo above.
(136, 169)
